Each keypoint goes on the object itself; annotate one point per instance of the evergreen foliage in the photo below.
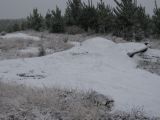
(105, 17)
(16, 27)
(131, 20)
(56, 22)
(73, 11)
(35, 20)
(124, 13)
(69, 20)
(89, 16)
(142, 22)
(23, 25)
(128, 19)
(8, 25)
(48, 19)
(156, 20)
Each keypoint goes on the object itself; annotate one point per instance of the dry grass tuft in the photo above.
(19, 102)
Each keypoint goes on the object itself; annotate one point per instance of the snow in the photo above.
(130, 46)
(21, 36)
(96, 64)
(153, 53)
(30, 50)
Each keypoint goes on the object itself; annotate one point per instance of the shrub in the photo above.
(3, 33)
(139, 35)
(74, 30)
(42, 51)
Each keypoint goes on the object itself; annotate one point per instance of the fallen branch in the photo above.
(131, 54)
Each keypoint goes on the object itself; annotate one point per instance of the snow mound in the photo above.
(21, 36)
(130, 47)
(97, 64)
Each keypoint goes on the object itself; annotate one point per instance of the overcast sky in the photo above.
(21, 8)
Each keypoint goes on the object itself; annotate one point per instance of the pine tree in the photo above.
(124, 12)
(73, 11)
(16, 27)
(48, 19)
(69, 20)
(142, 22)
(23, 25)
(89, 16)
(139, 34)
(132, 22)
(35, 20)
(105, 17)
(57, 22)
(156, 20)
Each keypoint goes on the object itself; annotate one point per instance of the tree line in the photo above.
(10, 25)
(128, 19)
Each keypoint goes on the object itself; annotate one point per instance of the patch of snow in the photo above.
(21, 36)
(49, 51)
(97, 64)
(30, 50)
(153, 52)
(75, 43)
(130, 46)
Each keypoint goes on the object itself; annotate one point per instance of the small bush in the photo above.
(139, 35)
(42, 51)
(3, 33)
(74, 30)
(65, 39)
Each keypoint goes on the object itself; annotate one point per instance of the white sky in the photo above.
(21, 8)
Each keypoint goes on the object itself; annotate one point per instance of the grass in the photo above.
(150, 63)
(19, 102)
(51, 43)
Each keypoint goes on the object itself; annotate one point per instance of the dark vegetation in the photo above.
(127, 20)
(9, 25)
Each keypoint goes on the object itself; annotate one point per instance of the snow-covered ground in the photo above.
(96, 64)
(21, 36)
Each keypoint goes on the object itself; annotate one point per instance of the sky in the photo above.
(21, 8)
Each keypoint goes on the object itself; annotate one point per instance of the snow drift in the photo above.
(97, 64)
(20, 36)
